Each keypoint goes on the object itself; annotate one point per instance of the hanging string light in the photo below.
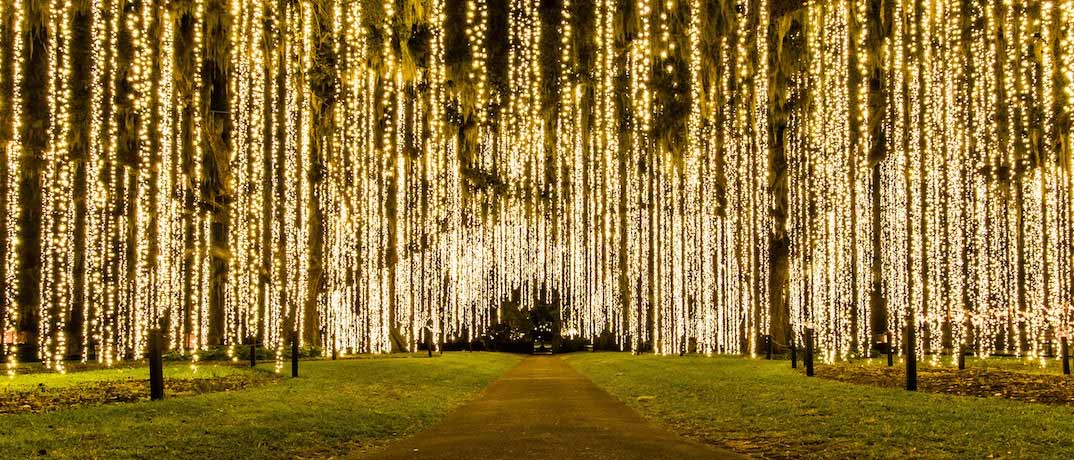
(12, 155)
(627, 178)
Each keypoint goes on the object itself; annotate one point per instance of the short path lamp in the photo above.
(253, 351)
(1064, 350)
(891, 349)
(156, 364)
(294, 354)
(911, 353)
(794, 354)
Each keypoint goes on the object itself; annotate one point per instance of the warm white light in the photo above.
(625, 175)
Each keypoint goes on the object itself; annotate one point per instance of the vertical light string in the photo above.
(57, 222)
(1064, 183)
(12, 155)
(94, 230)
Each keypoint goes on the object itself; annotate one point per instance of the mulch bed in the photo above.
(45, 399)
(985, 383)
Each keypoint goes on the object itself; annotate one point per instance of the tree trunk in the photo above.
(780, 107)
(8, 190)
(216, 132)
(879, 28)
(81, 122)
(34, 136)
(323, 82)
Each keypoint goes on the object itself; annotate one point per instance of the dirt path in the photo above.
(544, 409)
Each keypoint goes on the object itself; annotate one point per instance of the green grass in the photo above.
(335, 407)
(70, 379)
(766, 409)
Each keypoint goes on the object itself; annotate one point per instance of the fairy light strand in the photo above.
(629, 188)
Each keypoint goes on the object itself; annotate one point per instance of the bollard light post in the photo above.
(1065, 350)
(294, 355)
(156, 365)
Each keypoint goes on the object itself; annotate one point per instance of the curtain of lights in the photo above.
(363, 174)
(973, 189)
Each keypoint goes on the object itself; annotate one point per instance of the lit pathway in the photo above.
(544, 409)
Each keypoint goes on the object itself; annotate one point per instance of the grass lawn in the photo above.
(171, 371)
(765, 409)
(335, 407)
